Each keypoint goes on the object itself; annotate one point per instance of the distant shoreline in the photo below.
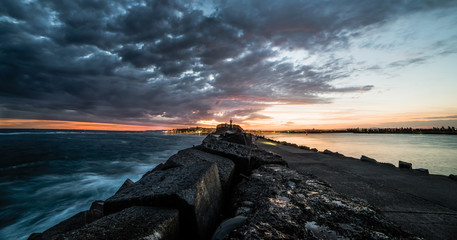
(445, 131)
(201, 131)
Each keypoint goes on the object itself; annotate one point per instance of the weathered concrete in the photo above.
(364, 158)
(425, 205)
(405, 165)
(245, 158)
(126, 184)
(195, 190)
(239, 138)
(225, 148)
(75, 222)
(192, 156)
(131, 223)
(262, 157)
(289, 205)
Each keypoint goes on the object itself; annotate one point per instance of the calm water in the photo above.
(46, 177)
(438, 153)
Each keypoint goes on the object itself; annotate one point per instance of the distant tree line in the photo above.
(435, 130)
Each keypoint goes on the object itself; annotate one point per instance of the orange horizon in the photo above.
(73, 125)
(76, 125)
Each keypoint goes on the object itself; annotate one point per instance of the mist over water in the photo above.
(437, 153)
(46, 177)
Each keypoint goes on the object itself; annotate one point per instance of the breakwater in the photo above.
(226, 188)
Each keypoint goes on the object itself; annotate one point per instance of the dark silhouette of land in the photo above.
(406, 130)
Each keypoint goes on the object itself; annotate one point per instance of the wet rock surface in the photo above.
(192, 156)
(364, 158)
(280, 203)
(212, 143)
(406, 165)
(195, 190)
(239, 138)
(126, 183)
(246, 158)
(131, 223)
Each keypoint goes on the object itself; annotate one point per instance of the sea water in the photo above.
(437, 153)
(49, 176)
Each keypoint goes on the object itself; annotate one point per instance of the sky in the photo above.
(147, 65)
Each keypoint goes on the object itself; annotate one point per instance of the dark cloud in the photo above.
(175, 62)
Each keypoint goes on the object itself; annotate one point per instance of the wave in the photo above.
(24, 165)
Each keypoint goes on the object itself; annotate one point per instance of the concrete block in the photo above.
(195, 190)
(387, 164)
(245, 158)
(239, 138)
(261, 157)
(132, 223)
(364, 158)
(192, 156)
(75, 222)
(126, 183)
(405, 165)
(422, 170)
(225, 148)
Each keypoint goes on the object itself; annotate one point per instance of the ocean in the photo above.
(49, 176)
(437, 153)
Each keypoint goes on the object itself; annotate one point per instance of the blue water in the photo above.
(438, 153)
(46, 177)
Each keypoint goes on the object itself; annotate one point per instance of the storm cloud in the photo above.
(178, 62)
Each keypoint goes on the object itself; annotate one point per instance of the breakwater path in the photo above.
(423, 204)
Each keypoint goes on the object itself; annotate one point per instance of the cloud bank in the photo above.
(179, 62)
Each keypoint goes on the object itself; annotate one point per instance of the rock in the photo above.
(156, 168)
(227, 226)
(191, 156)
(314, 150)
(387, 164)
(261, 157)
(126, 183)
(35, 236)
(247, 203)
(337, 154)
(245, 158)
(132, 223)
(195, 190)
(239, 138)
(326, 151)
(95, 212)
(422, 170)
(97, 206)
(75, 222)
(311, 210)
(304, 147)
(231, 150)
(364, 158)
(406, 165)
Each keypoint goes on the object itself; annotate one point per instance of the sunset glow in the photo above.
(47, 124)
